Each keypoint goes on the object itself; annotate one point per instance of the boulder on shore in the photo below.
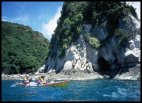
(130, 74)
(40, 70)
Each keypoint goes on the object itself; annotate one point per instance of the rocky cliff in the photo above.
(97, 37)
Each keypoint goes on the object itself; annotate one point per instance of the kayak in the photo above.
(51, 83)
(61, 83)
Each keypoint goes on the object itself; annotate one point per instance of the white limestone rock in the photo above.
(40, 69)
(68, 65)
(137, 41)
(131, 44)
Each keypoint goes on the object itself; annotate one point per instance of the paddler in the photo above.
(26, 79)
(42, 80)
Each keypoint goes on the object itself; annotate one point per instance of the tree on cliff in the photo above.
(75, 14)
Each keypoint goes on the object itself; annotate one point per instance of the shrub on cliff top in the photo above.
(94, 42)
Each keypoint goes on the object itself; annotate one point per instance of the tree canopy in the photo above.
(23, 50)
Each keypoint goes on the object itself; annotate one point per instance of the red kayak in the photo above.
(51, 83)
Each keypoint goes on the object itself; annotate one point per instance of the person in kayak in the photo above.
(41, 80)
(26, 79)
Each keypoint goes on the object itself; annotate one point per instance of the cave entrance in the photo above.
(104, 66)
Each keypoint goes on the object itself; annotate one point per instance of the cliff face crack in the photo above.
(104, 66)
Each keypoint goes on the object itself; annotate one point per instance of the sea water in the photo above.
(88, 90)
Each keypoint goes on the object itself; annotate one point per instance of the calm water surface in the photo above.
(89, 90)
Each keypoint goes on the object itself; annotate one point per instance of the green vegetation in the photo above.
(75, 14)
(94, 42)
(123, 35)
(23, 50)
(68, 29)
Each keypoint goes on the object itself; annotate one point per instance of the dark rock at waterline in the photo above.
(132, 73)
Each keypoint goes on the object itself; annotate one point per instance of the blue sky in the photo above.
(40, 16)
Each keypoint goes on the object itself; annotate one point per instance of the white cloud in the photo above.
(48, 28)
(137, 6)
(22, 19)
(4, 18)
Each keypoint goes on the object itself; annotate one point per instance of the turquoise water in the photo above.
(89, 90)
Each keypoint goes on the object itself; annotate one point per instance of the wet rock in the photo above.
(132, 73)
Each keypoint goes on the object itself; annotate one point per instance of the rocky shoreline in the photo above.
(54, 76)
(130, 74)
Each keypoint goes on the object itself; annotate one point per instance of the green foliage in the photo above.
(123, 35)
(75, 14)
(69, 27)
(23, 49)
(94, 42)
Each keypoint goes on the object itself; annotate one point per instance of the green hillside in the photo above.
(23, 50)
